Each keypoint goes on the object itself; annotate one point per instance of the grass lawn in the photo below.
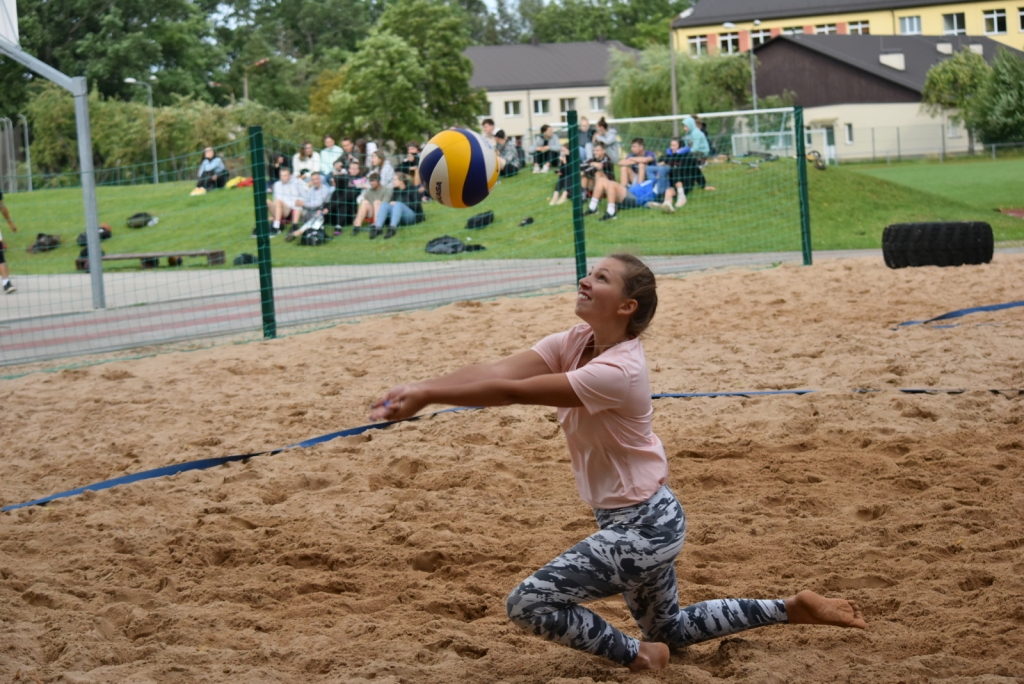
(752, 210)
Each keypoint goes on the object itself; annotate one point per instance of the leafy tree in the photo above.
(438, 33)
(1000, 102)
(952, 86)
(573, 20)
(382, 95)
(637, 23)
(504, 27)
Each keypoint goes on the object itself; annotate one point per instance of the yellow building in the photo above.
(732, 26)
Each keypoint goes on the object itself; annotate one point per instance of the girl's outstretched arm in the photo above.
(519, 366)
(404, 401)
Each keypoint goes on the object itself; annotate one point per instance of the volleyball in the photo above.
(458, 168)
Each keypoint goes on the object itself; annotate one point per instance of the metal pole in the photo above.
(672, 69)
(28, 154)
(576, 192)
(245, 85)
(258, 158)
(942, 136)
(899, 146)
(801, 176)
(872, 143)
(753, 86)
(92, 226)
(152, 134)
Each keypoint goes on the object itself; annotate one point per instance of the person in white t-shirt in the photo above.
(289, 196)
(596, 375)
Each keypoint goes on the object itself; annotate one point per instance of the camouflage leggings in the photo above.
(633, 554)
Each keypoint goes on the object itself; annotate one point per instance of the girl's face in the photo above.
(208, 153)
(599, 297)
(674, 145)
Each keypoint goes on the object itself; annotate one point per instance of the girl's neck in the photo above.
(606, 337)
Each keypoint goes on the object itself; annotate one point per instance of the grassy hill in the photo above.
(752, 210)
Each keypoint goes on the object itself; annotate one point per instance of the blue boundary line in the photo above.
(962, 312)
(206, 463)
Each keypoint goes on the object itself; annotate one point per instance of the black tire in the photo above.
(937, 244)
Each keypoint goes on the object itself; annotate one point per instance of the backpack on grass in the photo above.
(142, 219)
(450, 245)
(105, 234)
(480, 220)
(44, 243)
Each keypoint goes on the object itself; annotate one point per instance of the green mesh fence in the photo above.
(177, 279)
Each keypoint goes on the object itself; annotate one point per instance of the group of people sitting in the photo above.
(347, 185)
(647, 179)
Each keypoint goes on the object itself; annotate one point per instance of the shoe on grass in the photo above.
(589, 212)
(374, 232)
(390, 233)
(608, 217)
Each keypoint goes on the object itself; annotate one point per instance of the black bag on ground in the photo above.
(480, 220)
(450, 245)
(313, 234)
(937, 244)
(105, 234)
(85, 253)
(244, 260)
(140, 220)
(44, 243)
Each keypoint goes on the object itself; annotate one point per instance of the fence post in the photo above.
(899, 147)
(576, 192)
(873, 144)
(259, 198)
(801, 177)
(942, 134)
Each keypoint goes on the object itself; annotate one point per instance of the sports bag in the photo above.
(244, 260)
(480, 220)
(450, 245)
(142, 219)
(44, 243)
(313, 234)
(105, 234)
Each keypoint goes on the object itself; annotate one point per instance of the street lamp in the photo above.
(214, 84)
(152, 124)
(28, 155)
(245, 76)
(753, 71)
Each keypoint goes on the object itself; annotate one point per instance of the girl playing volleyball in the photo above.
(596, 375)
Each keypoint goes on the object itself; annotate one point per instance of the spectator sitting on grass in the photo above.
(487, 126)
(289, 196)
(349, 153)
(600, 166)
(328, 155)
(562, 184)
(306, 161)
(634, 167)
(545, 149)
(212, 172)
(619, 196)
(508, 155)
(586, 139)
(404, 209)
(316, 202)
(410, 165)
(695, 139)
(383, 168)
(372, 199)
(676, 158)
(610, 138)
(345, 198)
(280, 162)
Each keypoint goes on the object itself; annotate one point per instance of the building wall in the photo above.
(881, 23)
(528, 122)
(881, 131)
(816, 79)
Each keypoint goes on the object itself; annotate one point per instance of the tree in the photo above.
(1000, 102)
(637, 23)
(573, 20)
(952, 86)
(437, 31)
(381, 96)
(504, 27)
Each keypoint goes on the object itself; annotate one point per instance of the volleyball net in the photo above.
(209, 264)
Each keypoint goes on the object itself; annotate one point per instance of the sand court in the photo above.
(387, 557)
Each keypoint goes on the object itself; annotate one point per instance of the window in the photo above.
(860, 28)
(910, 26)
(698, 46)
(849, 133)
(729, 43)
(512, 108)
(954, 24)
(542, 106)
(566, 104)
(825, 30)
(995, 22)
(1020, 18)
(954, 130)
(760, 37)
(489, 108)
(792, 30)
(597, 103)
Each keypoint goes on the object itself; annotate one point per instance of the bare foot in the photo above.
(808, 608)
(652, 656)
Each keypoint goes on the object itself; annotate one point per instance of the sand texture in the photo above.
(387, 557)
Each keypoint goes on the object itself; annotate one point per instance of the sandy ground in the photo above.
(388, 557)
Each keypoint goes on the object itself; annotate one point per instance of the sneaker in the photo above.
(536, 168)
(655, 205)
(710, 188)
(668, 208)
(9, 288)
(608, 217)
(274, 232)
(374, 232)
(289, 237)
(356, 230)
(562, 200)
(338, 230)
(588, 212)
(390, 233)
(545, 168)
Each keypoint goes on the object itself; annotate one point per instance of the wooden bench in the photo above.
(152, 259)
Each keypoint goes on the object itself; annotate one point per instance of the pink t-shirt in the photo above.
(616, 458)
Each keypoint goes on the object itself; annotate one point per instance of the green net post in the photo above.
(259, 198)
(576, 192)
(801, 175)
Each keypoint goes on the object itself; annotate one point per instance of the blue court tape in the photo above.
(962, 312)
(205, 463)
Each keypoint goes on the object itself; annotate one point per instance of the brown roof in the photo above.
(708, 12)
(546, 65)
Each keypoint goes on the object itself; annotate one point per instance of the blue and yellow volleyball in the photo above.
(458, 168)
